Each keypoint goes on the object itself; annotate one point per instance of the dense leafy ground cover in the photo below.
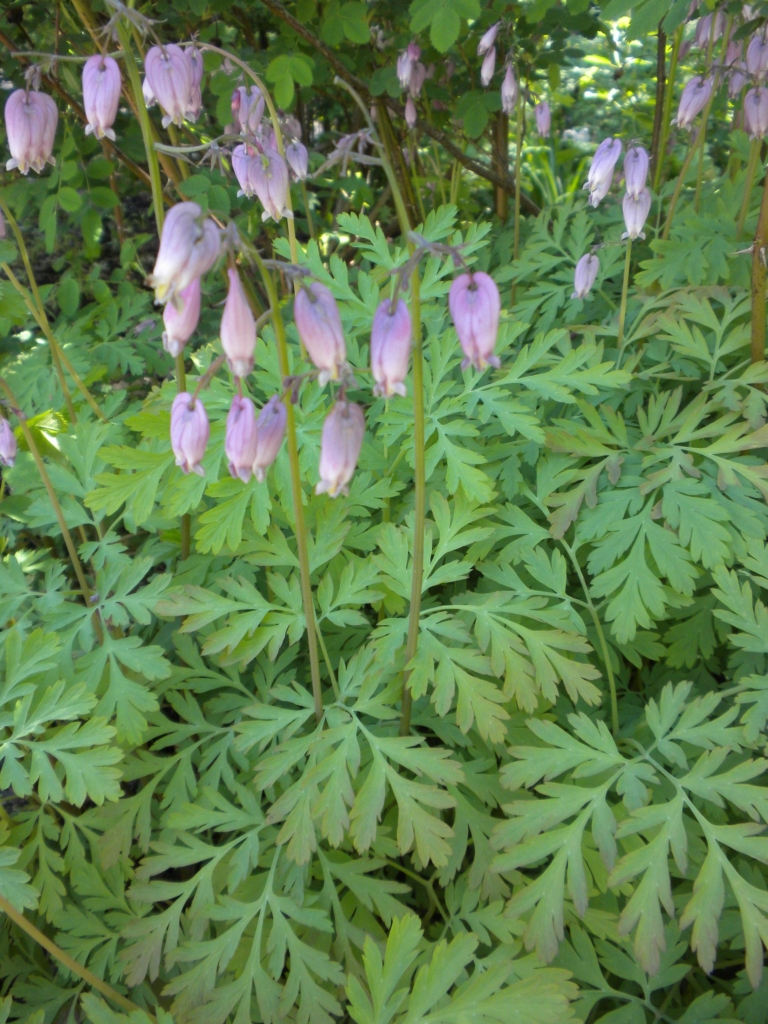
(514, 770)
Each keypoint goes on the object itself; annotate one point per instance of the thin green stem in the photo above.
(327, 660)
(298, 495)
(85, 590)
(708, 108)
(749, 180)
(518, 164)
(680, 182)
(668, 96)
(305, 197)
(623, 306)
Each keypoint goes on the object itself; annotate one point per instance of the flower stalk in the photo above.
(757, 347)
(749, 180)
(623, 306)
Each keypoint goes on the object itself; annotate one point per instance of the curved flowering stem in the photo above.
(419, 455)
(680, 181)
(85, 590)
(749, 179)
(667, 114)
(623, 307)
(298, 494)
(34, 304)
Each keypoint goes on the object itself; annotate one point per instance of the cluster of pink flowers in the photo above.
(172, 78)
(411, 73)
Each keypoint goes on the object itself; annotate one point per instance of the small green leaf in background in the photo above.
(68, 296)
(444, 19)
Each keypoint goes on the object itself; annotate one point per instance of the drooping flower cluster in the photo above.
(173, 78)
(637, 199)
(486, 49)
(411, 74)
(30, 123)
(189, 246)
(600, 174)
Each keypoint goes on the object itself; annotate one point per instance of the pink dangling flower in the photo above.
(297, 155)
(705, 30)
(270, 431)
(189, 246)
(475, 307)
(488, 39)
(601, 170)
(488, 67)
(146, 91)
(30, 124)
(636, 210)
(195, 103)
(169, 74)
(756, 113)
(390, 348)
(240, 438)
(247, 109)
(693, 99)
(737, 79)
(101, 95)
(635, 170)
(586, 272)
(410, 112)
(269, 178)
(243, 157)
(319, 326)
(543, 118)
(190, 431)
(8, 446)
(757, 55)
(509, 91)
(342, 439)
(405, 63)
(238, 328)
(416, 81)
(180, 324)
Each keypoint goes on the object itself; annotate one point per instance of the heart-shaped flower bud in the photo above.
(488, 39)
(189, 433)
(238, 328)
(509, 91)
(169, 74)
(247, 109)
(270, 431)
(195, 103)
(636, 210)
(734, 53)
(706, 31)
(243, 157)
(180, 323)
(390, 348)
(319, 326)
(693, 99)
(756, 113)
(297, 155)
(601, 169)
(410, 112)
(269, 178)
(757, 55)
(586, 273)
(101, 95)
(488, 67)
(405, 63)
(189, 246)
(30, 124)
(475, 306)
(635, 170)
(737, 79)
(240, 439)
(599, 192)
(8, 446)
(543, 118)
(418, 76)
(342, 439)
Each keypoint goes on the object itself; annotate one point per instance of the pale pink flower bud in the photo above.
(509, 91)
(601, 170)
(734, 52)
(269, 178)
(636, 210)
(240, 439)
(30, 123)
(195, 102)
(247, 108)
(390, 348)
(297, 155)
(756, 113)
(488, 67)
(635, 170)
(488, 39)
(169, 74)
(410, 112)
(8, 446)
(704, 30)
(586, 273)
(693, 99)
(475, 306)
(181, 323)
(319, 326)
(238, 328)
(101, 95)
(292, 127)
(189, 246)
(543, 118)
(416, 81)
(243, 157)
(190, 431)
(405, 63)
(146, 91)
(270, 431)
(342, 439)
(757, 55)
(737, 79)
